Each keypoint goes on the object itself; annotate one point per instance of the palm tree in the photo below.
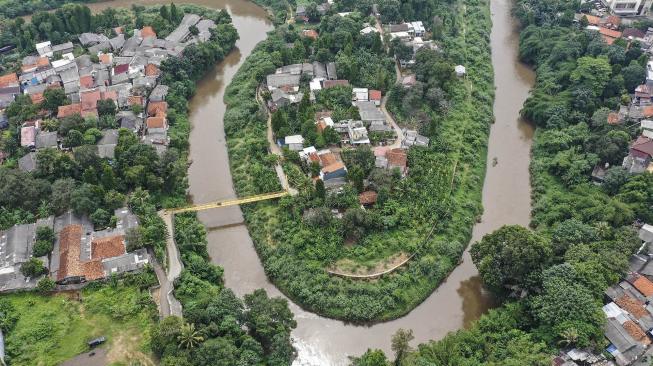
(569, 336)
(189, 337)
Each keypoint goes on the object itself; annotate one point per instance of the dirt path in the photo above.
(174, 269)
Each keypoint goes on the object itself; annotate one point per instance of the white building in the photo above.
(294, 142)
(629, 7)
(44, 49)
(460, 70)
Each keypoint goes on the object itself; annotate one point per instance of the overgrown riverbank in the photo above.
(443, 188)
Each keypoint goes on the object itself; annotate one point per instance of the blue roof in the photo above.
(611, 348)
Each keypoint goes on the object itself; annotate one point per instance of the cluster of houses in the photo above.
(629, 316)
(412, 35)
(124, 70)
(80, 254)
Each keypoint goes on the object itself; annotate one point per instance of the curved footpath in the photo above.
(460, 299)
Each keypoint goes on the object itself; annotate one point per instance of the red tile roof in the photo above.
(119, 69)
(331, 83)
(43, 62)
(86, 81)
(151, 70)
(310, 33)
(609, 35)
(154, 108)
(367, 198)
(374, 94)
(69, 249)
(135, 99)
(110, 94)
(36, 98)
(105, 58)
(8, 80)
(636, 332)
(592, 20)
(148, 31)
(614, 20)
(156, 122)
(614, 118)
(89, 99)
(644, 285)
(333, 167)
(69, 110)
(108, 247)
(397, 158)
(633, 306)
(327, 159)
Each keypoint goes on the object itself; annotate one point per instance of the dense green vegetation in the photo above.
(48, 329)
(552, 278)
(225, 329)
(442, 189)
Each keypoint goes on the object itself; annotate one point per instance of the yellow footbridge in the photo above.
(228, 202)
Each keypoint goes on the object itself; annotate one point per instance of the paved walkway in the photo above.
(174, 270)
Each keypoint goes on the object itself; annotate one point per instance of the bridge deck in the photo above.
(229, 202)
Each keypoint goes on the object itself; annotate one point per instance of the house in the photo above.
(90, 39)
(63, 48)
(615, 118)
(646, 233)
(598, 173)
(633, 34)
(359, 94)
(156, 124)
(294, 142)
(89, 101)
(369, 112)
(368, 30)
(28, 162)
(367, 198)
(333, 171)
(151, 70)
(375, 96)
(460, 70)
(183, 29)
(280, 98)
(128, 120)
(44, 49)
(647, 128)
(323, 123)
(68, 110)
(409, 80)
(154, 108)
(159, 93)
(9, 80)
(47, 140)
(357, 133)
(147, 32)
(319, 70)
(326, 84)
(274, 81)
(639, 157)
(310, 33)
(28, 137)
(412, 138)
(331, 71)
(16, 246)
(629, 7)
(609, 35)
(397, 159)
(107, 145)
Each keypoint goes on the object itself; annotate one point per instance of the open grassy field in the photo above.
(52, 329)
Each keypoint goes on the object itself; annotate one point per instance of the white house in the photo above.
(294, 142)
(460, 70)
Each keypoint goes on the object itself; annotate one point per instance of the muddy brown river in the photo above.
(461, 299)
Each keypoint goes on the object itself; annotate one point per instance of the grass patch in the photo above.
(51, 329)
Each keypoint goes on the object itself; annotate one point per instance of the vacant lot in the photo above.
(52, 329)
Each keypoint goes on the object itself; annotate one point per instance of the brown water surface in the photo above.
(461, 299)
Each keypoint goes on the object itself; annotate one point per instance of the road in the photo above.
(174, 270)
(388, 116)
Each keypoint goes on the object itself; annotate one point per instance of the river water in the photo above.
(460, 299)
